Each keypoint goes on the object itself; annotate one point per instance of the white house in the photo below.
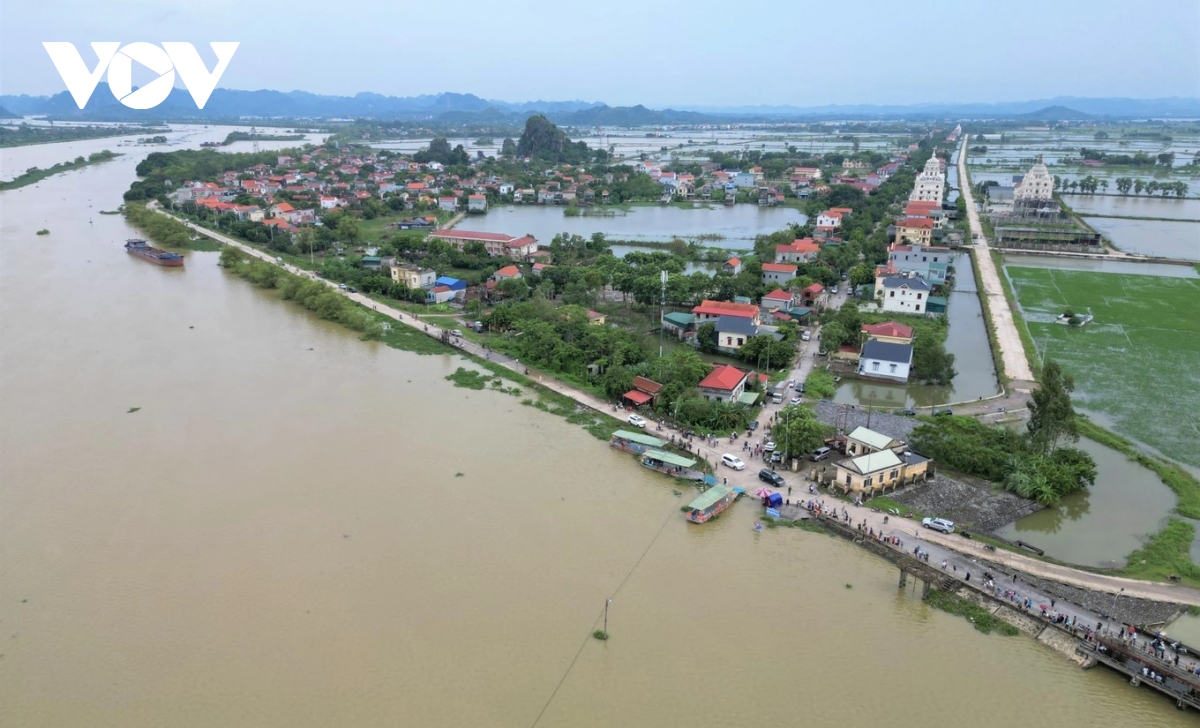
(898, 294)
(832, 217)
(449, 204)
(329, 203)
(477, 203)
(777, 273)
(885, 360)
(724, 383)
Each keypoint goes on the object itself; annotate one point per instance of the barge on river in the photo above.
(709, 503)
(146, 251)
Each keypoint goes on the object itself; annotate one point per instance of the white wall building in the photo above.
(931, 183)
(898, 294)
(1037, 186)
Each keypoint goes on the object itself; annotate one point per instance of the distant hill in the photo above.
(6, 114)
(1058, 113)
(227, 104)
(630, 116)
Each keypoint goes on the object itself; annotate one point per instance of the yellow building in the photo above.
(877, 463)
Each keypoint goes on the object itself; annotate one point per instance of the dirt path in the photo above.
(1012, 350)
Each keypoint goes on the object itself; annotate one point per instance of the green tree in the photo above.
(347, 230)
(1051, 414)
(833, 335)
(861, 275)
(706, 337)
(797, 430)
(931, 363)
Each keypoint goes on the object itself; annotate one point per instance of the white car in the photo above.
(733, 461)
(795, 400)
(637, 421)
(769, 447)
(938, 524)
(805, 336)
(456, 332)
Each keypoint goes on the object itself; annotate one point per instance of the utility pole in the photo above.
(606, 618)
(662, 311)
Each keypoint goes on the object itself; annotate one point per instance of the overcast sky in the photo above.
(624, 52)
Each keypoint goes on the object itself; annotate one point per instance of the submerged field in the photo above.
(1138, 362)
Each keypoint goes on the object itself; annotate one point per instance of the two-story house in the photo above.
(802, 250)
(929, 262)
(724, 383)
(777, 273)
(902, 294)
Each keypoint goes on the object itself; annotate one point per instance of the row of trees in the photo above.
(1034, 464)
(1125, 185)
(1137, 159)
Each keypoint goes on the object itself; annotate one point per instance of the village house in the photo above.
(595, 318)
(862, 441)
(644, 391)
(930, 263)
(813, 295)
(734, 331)
(888, 331)
(733, 266)
(802, 250)
(902, 294)
(449, 204)
(778, 299)
(413, 276)
(724, 383)
(914, 230)
(508, 272)
(884, 360)
(477, 203)
(832, 218)
(875, 472)
(777, 273)
(710, 311)
(680, 325)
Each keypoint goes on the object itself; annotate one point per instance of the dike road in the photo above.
(1012, 350)
(748, 478)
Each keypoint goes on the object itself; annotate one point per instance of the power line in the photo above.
(585, 639)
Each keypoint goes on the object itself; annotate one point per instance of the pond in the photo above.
(1135, 206)
(1166, 239)
(967, 340)
(732, 227)
(1104, 524)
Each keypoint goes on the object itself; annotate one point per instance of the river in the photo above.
(298, 528)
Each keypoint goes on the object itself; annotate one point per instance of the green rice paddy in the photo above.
(1137, 363)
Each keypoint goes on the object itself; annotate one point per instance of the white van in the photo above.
(777, 398)
(820, 454)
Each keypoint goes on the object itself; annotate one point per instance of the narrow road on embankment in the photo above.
(1012, 350)
(748, 478)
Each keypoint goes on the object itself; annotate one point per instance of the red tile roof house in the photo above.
(733, 265)
(889, 331)
(710, 311)
(802, 250)
(812, 294)
(507, 272)
(724, 383)
(778, 299)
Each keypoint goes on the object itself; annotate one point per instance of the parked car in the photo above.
(341, 286)
(845, 276)
(834, 289)
(800, 387)
(938, 524)
(908, 412)
(769, 447)
(943, 412)
(637, 421)
(777, 457)
(795, 400)
(457, 332)
(820, 454)
(777, 398)
(351, 289)
(752, 426)
(478, 326)
(733, 461)
(805, 336)
(791, 383)
(767, 475)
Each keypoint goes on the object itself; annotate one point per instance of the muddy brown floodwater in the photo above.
(280, 537)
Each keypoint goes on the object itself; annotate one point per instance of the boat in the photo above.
(710, 503)
(144, 250)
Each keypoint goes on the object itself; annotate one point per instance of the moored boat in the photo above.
(146, 251)
(709, 503)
